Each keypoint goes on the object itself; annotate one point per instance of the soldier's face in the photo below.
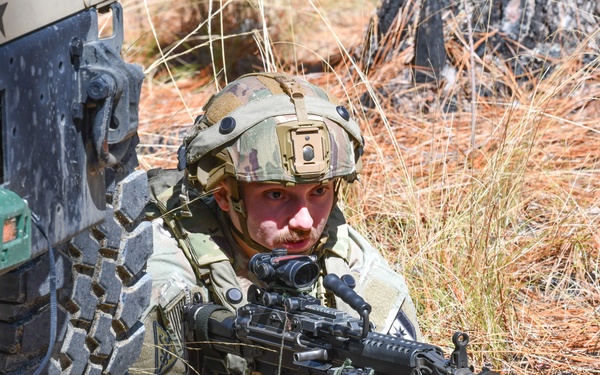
(278, 216)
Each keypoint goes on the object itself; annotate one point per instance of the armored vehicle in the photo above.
(74, 249)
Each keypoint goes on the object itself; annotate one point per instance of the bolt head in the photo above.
(101, 87)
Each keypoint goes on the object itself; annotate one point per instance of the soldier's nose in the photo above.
(302, 219)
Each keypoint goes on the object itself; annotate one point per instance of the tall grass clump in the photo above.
(495, 237)
(451, 232)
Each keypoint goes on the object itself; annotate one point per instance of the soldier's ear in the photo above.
(222, 195)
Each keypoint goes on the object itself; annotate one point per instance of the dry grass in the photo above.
(496, 231)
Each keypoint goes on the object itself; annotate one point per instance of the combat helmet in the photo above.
(271, 127)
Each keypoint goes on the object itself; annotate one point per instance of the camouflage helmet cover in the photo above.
(272, 128)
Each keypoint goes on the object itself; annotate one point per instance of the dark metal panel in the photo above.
(45, 152)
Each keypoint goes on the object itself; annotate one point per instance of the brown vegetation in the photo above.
(492, 214)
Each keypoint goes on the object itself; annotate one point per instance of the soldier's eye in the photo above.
(274, 195)
(320, 191)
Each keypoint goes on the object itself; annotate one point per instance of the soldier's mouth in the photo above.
(297, 246)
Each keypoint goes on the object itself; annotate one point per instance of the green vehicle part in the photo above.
(15, 216)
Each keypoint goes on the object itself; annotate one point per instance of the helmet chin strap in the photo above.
(240, 209)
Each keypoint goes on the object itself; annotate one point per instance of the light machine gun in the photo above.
(285, 330)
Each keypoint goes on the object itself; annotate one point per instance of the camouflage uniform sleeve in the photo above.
(393, 309)
(173, 285)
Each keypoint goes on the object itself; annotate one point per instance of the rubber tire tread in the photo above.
(102, 291)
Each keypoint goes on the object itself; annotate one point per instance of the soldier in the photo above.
(262, 170)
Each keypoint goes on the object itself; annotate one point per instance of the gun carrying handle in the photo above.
(333, 283)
